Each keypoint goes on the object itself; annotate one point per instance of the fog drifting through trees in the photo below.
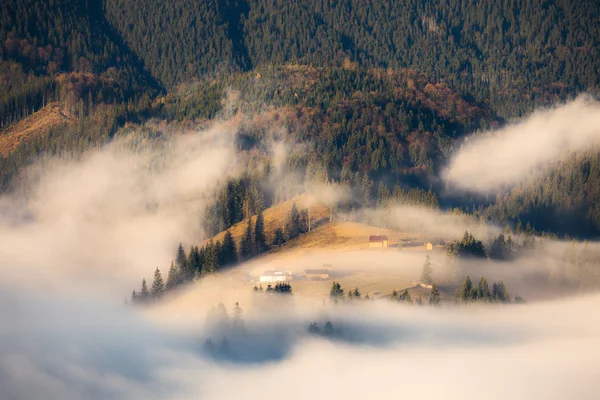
(83, 234)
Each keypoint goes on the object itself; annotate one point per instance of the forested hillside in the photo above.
(512, 54)
(63, 51)
(376, 94)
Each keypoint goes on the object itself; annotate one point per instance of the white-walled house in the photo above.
(272, 276)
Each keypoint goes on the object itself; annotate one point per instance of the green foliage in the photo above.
(466, 291)
(469, 246)
(403, 297)
(228, 254)
(434, 296)
(283, 288)
(427, 271)
(174, 277)
(279, 239)
(158, 286)
(144, 294)
(293, 225)
(247, 243)
(354, 294)
(260, 240)
(336, 292)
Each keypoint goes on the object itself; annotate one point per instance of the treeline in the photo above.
(51, 46)
(566, 199)
(508, 53)
(501, 247)
(483, 294)
(213, 258)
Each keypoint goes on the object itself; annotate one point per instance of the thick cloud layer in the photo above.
(56, 349)
(79, 233)
(498, 159)
(107, 219)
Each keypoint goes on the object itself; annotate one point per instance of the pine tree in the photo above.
(294, 222)
(260, 240)
(192, 265)
(134, 297)
(283, 288)
(228, 250)
(427, 271)
(466, 292)
(180, 258)
(211, 262)
(237, 321)
(157, 286)
(173, 279)
(434, 297)
(483, 291)
(336, 292)
(405, 296)
(279, 238)
(144, 294)
(246, 246)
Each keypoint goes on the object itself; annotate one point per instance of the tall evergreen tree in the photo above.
(427, 271)
(180, 258)
(483, 291)
(294, 222)
(260, 240)
(466, 292)
(158, 287)
(247, 245)
(144, 294)
(173, 279)
(211, 262)
(336, 292)
(434, 297)
(279, 238)
(228, 250)
(192, 265)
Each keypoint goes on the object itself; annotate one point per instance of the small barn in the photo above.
(317, 274)
(378, 241)
(428, 246)
(272, 276)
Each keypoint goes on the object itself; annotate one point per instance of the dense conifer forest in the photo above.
(383, 91)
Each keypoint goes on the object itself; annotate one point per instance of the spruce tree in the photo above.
(188, 270)
(434, 297)
(237, 321)
(283, 288)
(294, 222)
(157, 286)
(405, 296)
(180, 258)
(173, 279)
(279, 238)
(466, 292)
(144, 294)
(246, 246)
(211, 262)
(228, 250)
(134, 297)
(483, 291)
(427, 271)
(260, 240)
(336, 292)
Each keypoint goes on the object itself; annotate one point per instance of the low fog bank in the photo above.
(430, 223)
(106, 219)
(53, 349)
(502, 158)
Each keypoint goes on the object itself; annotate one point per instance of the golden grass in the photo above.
(35, 125)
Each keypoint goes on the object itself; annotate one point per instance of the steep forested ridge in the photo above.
(512, 53)
(379, 91)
